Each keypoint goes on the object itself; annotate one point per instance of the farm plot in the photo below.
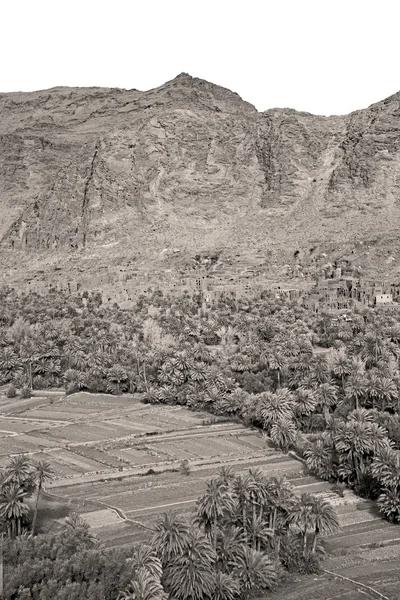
(18, 405)
(19, 425)
(99, 456)
(139, 455)
(54, 413)
(121, 534)
(79, 464)
(20, 444)
(83, 433)
(133, 425)
(101, 518)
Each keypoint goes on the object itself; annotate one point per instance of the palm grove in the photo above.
(246, 534)
(248, 360)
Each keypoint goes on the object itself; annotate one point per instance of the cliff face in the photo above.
(103, 175)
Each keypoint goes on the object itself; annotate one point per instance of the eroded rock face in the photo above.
(113, 174)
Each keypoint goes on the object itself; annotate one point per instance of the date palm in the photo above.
(12, 508)
(276, 362)
(144, 557)
(325, 519)
(117, 375)
(280, 499)
(230, 543)
(326, 396)
(8, 358)
(144, 586)
(389, 504)
(41, 472)
(19, 471)
(302, 518)
(276, 407)
(283, 434)
(259, 532)
(319, 371)
(225, 587)
(339, 362)
(29, 354)
(241, 491)
(226, 475)
(305, 402)
(385, 467)
(319, 458)
(200, 353)
(356, 388)
(256, 572)
(190, 574)
(172, 535)
(197, 372)
(213, 505)
(385, 391)
(355, 440)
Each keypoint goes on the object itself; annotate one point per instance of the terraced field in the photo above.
(117, 462)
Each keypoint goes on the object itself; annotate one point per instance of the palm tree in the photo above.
(340, 366)
(325, 519)
(241, 490)
(326, 395)
(197, 372)
(29, 355)
(171, 537)
(280, 499)
(230, 544)
(389, 504)
(356, 388)
(305, 402)
(12, 508)
(8, 360)
(42, 472)
(144, 557)
(277, 363)
(255, 571)
(355, 440)
(319, 372)
(225, 587)
(319, 458)
(191, 574)
(385, 467)
(226, 475)
(302, 518)
(259, 532)
(19, 471)
(384, 390)
(283, 434)
(276, 407)
(117, 375)
(74, 521)
(213, 505)
(144, 586)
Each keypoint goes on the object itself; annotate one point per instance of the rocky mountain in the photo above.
(94, 177)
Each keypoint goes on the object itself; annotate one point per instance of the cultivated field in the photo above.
(118, 462)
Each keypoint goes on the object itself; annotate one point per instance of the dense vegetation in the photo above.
(247, 533)
(250, 360)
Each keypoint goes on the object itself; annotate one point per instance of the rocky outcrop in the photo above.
(104, 175)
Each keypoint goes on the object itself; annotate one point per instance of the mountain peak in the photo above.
(96, 176)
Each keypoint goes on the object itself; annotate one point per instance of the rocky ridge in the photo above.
(110, 177)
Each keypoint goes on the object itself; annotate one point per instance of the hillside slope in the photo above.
(95, 176)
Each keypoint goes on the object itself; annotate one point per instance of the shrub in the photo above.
(72, 388)
(339, 488)
(26, 391)
(184, 467)
(11, 391)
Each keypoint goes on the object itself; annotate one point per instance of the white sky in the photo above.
(323, 56)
